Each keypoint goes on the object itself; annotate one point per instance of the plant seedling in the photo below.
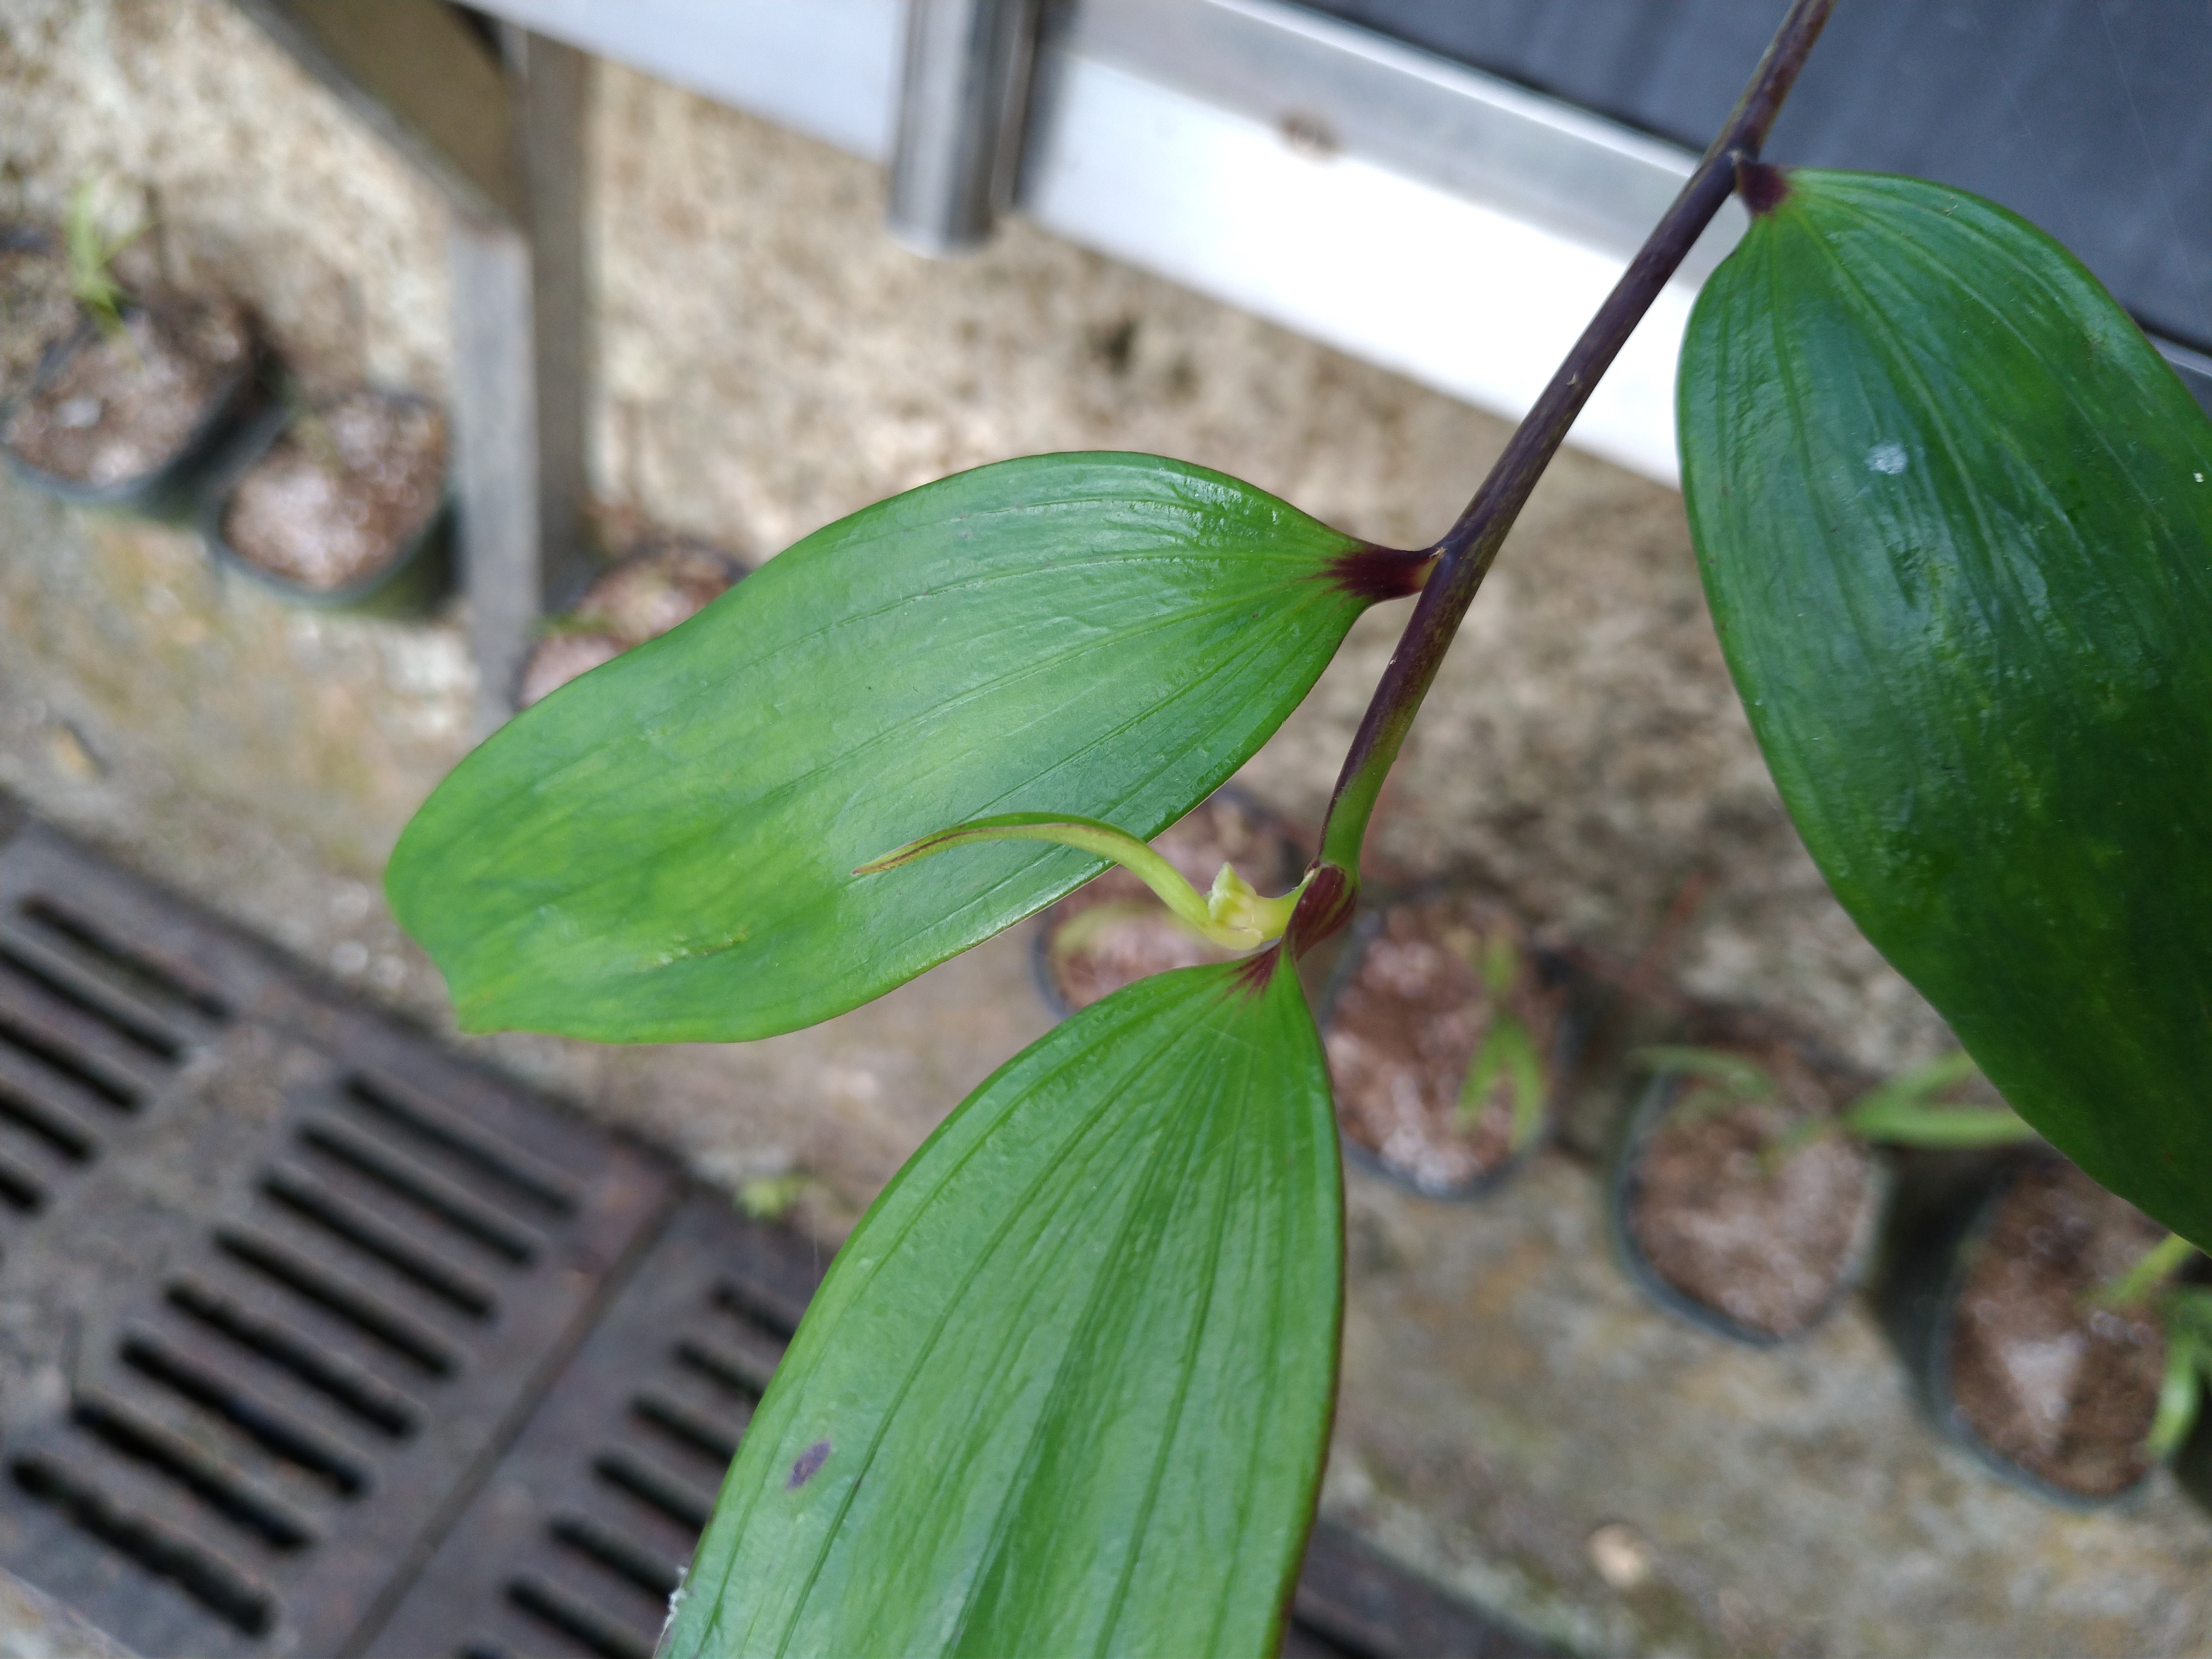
(92, 250)
(1068, 1386)
(770, 1197)
(2184, 1313)
(1507, 1050)
(1720, 1077)
(1907, 1110)
(1910, 1110)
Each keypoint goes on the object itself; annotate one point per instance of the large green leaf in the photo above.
(1065, 1389)
(663, 851)
(1955, 520)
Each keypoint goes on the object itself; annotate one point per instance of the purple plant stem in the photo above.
(1465, 551)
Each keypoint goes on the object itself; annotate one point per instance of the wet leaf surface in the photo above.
(1954, 517)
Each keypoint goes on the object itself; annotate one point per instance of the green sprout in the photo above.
(1233, 913)
(1720, 1079)
(310, 430)
(92, 250)
(2184, 1313)
(770, 1197)
(1907, 1110)
(2160, 1263)
(1508, 1049)
(1910, 1110)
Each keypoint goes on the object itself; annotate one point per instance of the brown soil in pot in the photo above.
(2045, 1376)
(342, 493)
(1734, 1221)
(639, 599)
(122, 407)
(36, 305)
(1112, 931)
(1406, 1027)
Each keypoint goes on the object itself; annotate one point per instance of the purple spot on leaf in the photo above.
(809, 1461)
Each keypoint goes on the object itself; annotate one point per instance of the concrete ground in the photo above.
(768, 360)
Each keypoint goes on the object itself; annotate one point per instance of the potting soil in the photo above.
(2046, 1375)
(343, 493)
(121, 405)
(1405, 1031)
(36, 309)
(1728, 1219)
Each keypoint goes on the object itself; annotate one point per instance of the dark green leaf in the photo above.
(1955, 520)
(663, 851)
(1066, 1388)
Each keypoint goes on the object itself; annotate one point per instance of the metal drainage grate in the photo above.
(577, 1539)
(311, 1340)
(257, 1352)
(90, 1035)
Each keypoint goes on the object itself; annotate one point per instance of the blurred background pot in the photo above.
(341, 507)
(638, 597)
(1993, 1300)
(1733, 1199)
(134, 418)
(1447, 1032)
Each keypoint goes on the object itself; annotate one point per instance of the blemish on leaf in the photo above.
(1888, 459)
(803, 1467)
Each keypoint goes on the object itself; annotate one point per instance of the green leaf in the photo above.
(2180, 1396)
(2187, 1309)
(1745, 1079)
(2155, 1266)
(1957, 1128)
(664, 850)
(1908, 1111)
(1954, 517)
(1508, 1052)
(1066, 1388)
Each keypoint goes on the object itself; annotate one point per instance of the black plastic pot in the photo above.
(171, 491)
(1551, 970)
(1918, 1305)
(413, 583)
(1287, 872)
(1620, 1189)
